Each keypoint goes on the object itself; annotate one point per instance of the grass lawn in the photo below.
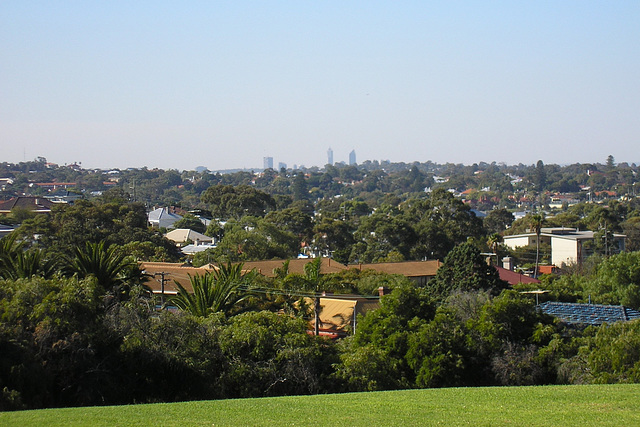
(595, 405)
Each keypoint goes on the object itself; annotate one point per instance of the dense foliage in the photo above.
(78, 328)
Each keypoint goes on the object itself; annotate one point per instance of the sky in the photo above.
(222, 84)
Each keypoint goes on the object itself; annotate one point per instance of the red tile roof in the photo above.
(514, 278)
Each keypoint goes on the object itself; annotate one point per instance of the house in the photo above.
(339, 313)
(184, 235)
(568, 245)
(589, 314)
(163, 218)
(33, 204)
(418, 271)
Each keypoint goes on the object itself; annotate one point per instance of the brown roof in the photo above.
(181, 272)
(34, 204)
(174, 272)
(405, 268)
(295, 266)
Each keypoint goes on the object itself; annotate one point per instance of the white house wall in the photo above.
(564, 251)
(516, 242)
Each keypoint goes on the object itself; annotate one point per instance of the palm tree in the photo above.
(26, 264)
(111, 269)
(312, 273)
(17, 263)
(535, 221)
(493, 242)
(214, 292)
(9, 250)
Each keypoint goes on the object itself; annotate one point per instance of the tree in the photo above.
(375, 357)
(219, 291)
(227, 201)
(606, 355)
(113, 271)
(438, 352)
(463, 270)
(611, 163)
(299, 187)
(25, 264)
(268, 354)
(293, 220)
(70, 226)
(256, 239)
(440, 222)
(493, 241)
(334, 237)
(498, 220)
(383, 233)
(617, 281)
(191, 222)
(540, 176)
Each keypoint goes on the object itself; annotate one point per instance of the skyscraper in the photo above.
(330, 156)
(352, 157)
(267, 162)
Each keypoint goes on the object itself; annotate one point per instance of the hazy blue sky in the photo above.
(224, 83)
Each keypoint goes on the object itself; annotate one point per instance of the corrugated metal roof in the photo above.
(589, 314)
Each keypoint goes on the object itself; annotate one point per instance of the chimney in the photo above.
(507, 263)
(382, 291)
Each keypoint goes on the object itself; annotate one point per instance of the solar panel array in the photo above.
(589, 314)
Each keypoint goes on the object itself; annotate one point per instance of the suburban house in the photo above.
(190, 242)
(339, 313)
(32, 204)
(568, 245)
(163, 218)
(186, 235)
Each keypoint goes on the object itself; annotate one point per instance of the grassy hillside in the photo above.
(544, 406)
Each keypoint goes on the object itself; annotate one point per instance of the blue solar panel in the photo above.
(589, 314)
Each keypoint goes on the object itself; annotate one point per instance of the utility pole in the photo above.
(162, 275)
(316, 329)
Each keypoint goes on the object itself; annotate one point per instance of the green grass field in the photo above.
(599, 405)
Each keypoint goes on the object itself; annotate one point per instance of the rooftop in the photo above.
(589, 314)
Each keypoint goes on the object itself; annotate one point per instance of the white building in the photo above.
(567, 244)
(161, 217)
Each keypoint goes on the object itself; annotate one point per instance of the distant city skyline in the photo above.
(173, 85)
